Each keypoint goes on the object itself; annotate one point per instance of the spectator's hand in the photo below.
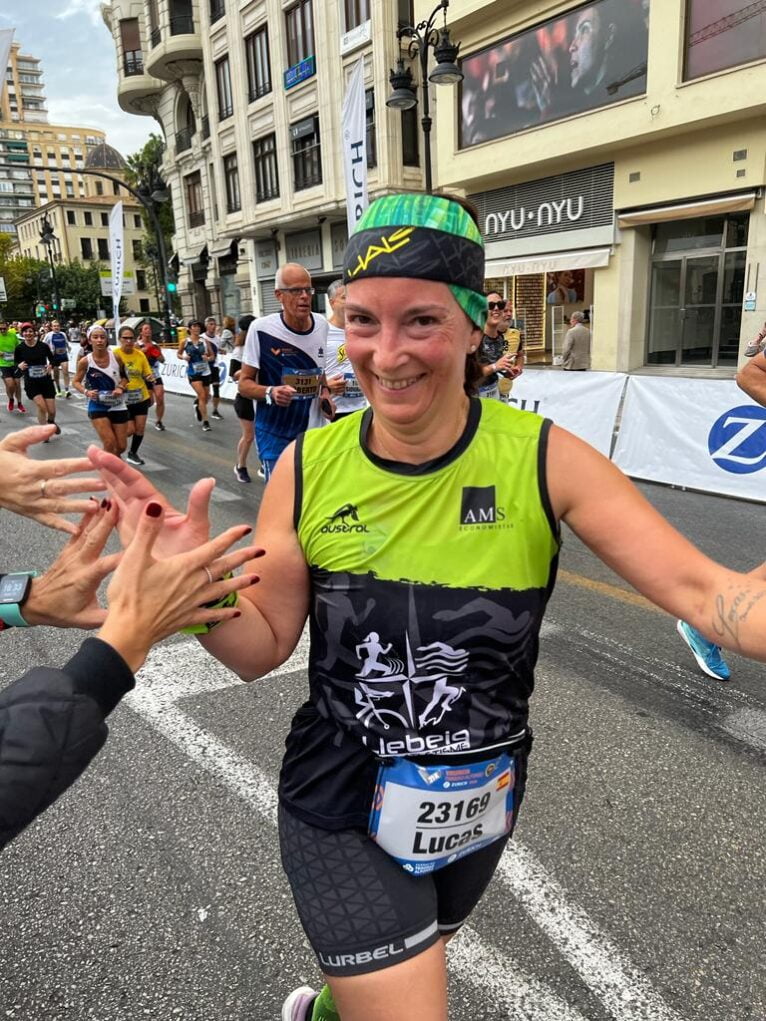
(65, 596)
(283, 395)
(149, 599)
(131, 491)
(39, 489)
(336, 385)
(516, 371)
(504, 364)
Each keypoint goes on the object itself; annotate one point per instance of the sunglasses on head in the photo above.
(499, 305)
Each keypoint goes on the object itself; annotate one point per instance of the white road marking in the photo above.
(184, 669)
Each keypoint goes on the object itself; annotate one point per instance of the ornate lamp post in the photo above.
(49, 239)
(422, 38)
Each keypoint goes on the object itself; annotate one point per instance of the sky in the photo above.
(79, 66)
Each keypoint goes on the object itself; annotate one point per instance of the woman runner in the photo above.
(34, 361)
(155, 357)
(103, 381)
(244, 407)
(423, 546)
(198, 355)
(138, 391)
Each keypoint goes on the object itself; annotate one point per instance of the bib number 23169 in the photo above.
(427, 817)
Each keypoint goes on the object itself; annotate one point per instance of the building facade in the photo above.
(249, 97)
(56, 152)
(617, 154)
(81, 230)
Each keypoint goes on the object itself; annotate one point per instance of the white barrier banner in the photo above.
(173, 373)
(585, 403)
(701, 433)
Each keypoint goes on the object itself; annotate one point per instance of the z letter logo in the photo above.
(737, 441)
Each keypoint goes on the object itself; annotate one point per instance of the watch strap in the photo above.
(10, 615)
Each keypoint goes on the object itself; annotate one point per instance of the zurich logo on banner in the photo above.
(737, 441)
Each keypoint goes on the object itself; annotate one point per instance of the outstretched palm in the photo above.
(132, 490)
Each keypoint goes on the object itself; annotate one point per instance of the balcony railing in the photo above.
(184, 139)
(182, 24)
(224, 112)
(256, 91)
(133, 62)
(156, 37)
(205, 127)
(197, 219)
(217, 10)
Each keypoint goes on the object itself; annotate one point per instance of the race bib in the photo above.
(107, 397)
(426, 817)
(353, 390)
(38, 371)
(491, 392)
(200, 369)
(304, 381)
(133, 396)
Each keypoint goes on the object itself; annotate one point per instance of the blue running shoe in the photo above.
(707, 654)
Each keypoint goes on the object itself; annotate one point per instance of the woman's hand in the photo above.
(23, 366)
(92, 394)
(65, 596)
(336, 385)
(39, 489)
(131, 490)
(149, 599)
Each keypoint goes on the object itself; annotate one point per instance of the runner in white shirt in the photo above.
(337, 365)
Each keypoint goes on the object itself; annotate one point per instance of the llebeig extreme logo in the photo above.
(737, 441)
(339, 521)
(478, 509)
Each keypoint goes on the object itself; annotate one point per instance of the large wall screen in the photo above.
(723, 33)
(590, 57)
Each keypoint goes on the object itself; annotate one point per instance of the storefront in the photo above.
(546, 241)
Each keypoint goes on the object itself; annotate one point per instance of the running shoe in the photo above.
(753, 348)
(59, 393)
(707, 654)
(159, 427)
(217, 415)
(67, 394)
(58, 429)
(243, 475)
(261, 473)
(134, 458)
(297, 1006)
(206, 427)
(10, 405)
(197, 412)
(21, 409)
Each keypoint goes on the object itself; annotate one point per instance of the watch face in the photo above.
(13, 588)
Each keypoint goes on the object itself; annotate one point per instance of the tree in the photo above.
(24, 281)
(82, 284)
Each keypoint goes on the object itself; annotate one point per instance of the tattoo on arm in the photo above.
(730, 612)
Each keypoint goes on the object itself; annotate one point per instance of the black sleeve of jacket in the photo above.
(51, 726)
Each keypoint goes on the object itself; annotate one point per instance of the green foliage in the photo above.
(22, 281)
(143, 171)
(82, 284)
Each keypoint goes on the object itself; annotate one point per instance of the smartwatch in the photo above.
(267, 395)
(14, 590)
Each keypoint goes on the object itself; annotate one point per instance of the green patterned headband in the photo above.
(427, 237)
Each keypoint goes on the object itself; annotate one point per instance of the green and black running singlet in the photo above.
(428, 588)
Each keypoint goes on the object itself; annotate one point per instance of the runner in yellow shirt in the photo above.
(138, 395)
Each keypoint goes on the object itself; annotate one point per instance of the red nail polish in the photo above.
(104, 503)
(248, 531)
(259, 553)
(153, 510)
(238, 613)
(108, 505)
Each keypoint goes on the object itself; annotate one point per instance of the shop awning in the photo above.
(589, 258)
(191, 260)
(688, 210)
(224, 247)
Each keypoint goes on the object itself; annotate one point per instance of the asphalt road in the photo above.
(634, 890)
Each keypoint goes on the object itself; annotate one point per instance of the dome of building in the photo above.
(104, 157)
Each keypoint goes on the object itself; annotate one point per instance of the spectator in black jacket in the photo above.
(52, 721)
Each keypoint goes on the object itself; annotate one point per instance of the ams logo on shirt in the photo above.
(478, 507)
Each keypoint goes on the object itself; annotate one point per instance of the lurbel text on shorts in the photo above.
(439, 843)
(364, 957)
(436, 744)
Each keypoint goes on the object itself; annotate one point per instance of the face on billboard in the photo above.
(590, 57)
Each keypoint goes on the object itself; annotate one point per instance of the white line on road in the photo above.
(183, 669)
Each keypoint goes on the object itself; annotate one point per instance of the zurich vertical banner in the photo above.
(354, 131)
(118, 261)
(701, 433)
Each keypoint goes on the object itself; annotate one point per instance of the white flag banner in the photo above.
(585, 403)
(702, 433)
(118, 261)
(6, 38)
(354, 131)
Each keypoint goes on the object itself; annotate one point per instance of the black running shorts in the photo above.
(8, 371)
(139, 409)
(40, 387)
(360, 910)
(244, 408)
(116, 417)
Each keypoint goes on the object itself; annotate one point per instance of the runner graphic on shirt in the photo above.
(431, 664)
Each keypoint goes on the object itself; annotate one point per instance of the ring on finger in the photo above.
(43, 484)
(208, 573)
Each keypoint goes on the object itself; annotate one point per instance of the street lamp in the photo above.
(49, 239)
(422, 38)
